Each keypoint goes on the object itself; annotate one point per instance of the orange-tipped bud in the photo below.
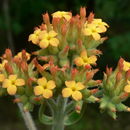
(63, 29)
(30, 81)
(118, 76)
(38, 66)
(90, 17)
(108, 71)
(72, 21)
(98, 81)
(82, 12)
(88, 67)
(128, 74)
(80, 43)
(74, 71)
(17, 100)
(55, 22)
(46, 18)
(78, 108)
(38, 98)
(54, 69)
(120, 64)
(8, 68)
(24, 56)
(93, 91)
(43, 27)
(8, 54)
(43, 58)
(24, 66)
(66, 49)
(89, 75)
(124, 95)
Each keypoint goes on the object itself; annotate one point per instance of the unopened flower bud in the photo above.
(74, 71)
(118, 76)
(93, 91)
(90, 17)
(88, 67)
(17, 100)
(24, 66)
(46, 18)
(108, 71)
(55, 23)
(89, 75)
(8, 54)
(128, 74)
(8, 68)
(120, 64)
(80, 43)
(82, 12)
(63, 29)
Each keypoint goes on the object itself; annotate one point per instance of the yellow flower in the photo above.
(12, 83)
(126, 66)
(49, 39)
(73, 89)
(84, 59)
(3, 64)
(19, 55)
(93, 30)
(102, 25)
(35, 36)
(2, 77)
(62, 14)
(44, 87)
(127, 87)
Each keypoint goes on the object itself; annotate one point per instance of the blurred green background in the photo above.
(17, 20)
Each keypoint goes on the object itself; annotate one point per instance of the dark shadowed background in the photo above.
(18, 19)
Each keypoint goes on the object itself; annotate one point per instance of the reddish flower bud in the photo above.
(43, 58)
(46, 18)
(17, 100)
(88, 67)
(82, 12)
(120, 64)
(43, 27)
(128, 74)
(124, 95)
(8, 54)
(78, 108)
(74, 71)
(38, 98)
(108, 71)
(24, 66)
(98, 81)
(55, 23)
(118, 76)
(38, 66)
(80, 43)
(8, 68)
(89, 75)
(72, 21)
(63, 29)
(90, 17)
(93, 91)
(66, 49)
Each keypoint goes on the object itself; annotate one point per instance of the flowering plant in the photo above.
(59, 75)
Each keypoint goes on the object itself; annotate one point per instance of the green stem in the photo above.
(59, 114)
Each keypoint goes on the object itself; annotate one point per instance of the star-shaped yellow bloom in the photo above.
(44, 87)
(19, 55)
(93, 30)
(62, 14)
(35, 36)
(49, 38)
(73, 89)
(127, 87)
(126, 66)
(84, 59)
(12, 83)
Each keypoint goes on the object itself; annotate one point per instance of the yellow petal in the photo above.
(79, 86)
(77, 95)
(19, 82)
(70, 84)
(128, 82)
(127, 88)
(92, 59)
(34, 38)
(42, 81)
(51, 84)
(6, 83)
(101, 29)
(54, 42)
(12, 90)
(13, 77)
(79, 61)
(126, 66)
(44, 43)
(66, 92)
(47, 93)
(87, 31)
(37, 31)
(38, 90)
(2, 77)
(52, 33)
(96, 36)
(67, 17)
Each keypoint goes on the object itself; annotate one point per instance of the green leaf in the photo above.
(47, 120)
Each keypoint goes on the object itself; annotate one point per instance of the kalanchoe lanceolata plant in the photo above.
(60, 74)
